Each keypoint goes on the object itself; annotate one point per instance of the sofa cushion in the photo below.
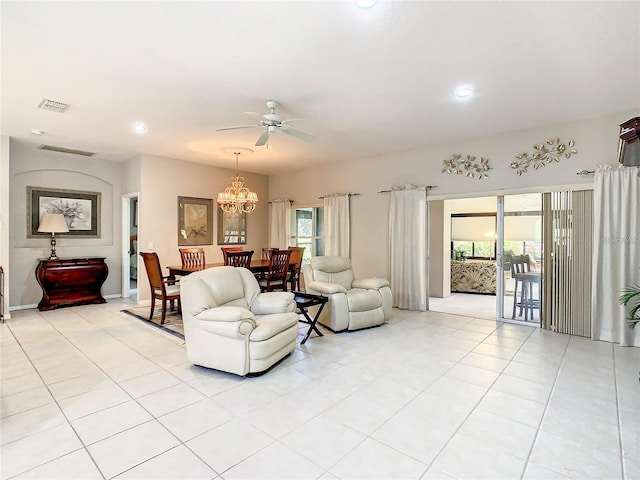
(362, 300)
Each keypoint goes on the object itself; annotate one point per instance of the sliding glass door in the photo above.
(520, 258)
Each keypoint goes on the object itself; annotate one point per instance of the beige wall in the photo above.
(596, 141)
(162, 180)
(439, 241)
(30, 166)
(158, 180)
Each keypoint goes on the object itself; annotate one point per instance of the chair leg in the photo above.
(153, 306)
(515, 299)
(164, 311)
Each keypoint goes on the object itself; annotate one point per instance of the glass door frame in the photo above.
(500, 273)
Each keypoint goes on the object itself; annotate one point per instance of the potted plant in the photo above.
(631, 296)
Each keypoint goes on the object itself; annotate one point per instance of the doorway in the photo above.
(130, 246)
(481, 236)
(465, 231)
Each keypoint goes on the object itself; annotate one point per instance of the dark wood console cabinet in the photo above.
(71, 281)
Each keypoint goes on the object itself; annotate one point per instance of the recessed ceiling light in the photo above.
(36, 132)
(365, 3)
(464, 92)
(139, 128)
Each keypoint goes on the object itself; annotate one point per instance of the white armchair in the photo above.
(353, 303)
(229, 325)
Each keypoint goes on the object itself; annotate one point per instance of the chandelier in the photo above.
(237, 198)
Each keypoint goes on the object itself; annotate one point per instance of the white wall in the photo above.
(162, 180)
(596, 141)
(30, 166)
(5, 158)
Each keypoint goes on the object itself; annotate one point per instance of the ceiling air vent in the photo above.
(53, 148)
(53, 106)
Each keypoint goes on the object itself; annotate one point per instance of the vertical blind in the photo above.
(568, 241)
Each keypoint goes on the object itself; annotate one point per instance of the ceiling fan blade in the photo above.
(298, 134)
(254, 113)
(235, 128)
(263, 138)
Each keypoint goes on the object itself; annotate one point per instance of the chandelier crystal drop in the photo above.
(237, 198)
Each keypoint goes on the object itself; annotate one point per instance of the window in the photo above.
(479, 250)
(472, 236)
(307, 230)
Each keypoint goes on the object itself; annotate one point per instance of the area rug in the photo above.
(172, 322)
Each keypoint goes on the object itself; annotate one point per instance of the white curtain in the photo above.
(616, 252)
(337, 228)
(408, 245)
(280, 231)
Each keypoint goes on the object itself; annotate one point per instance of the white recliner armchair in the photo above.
(229, 325)
(354, 303)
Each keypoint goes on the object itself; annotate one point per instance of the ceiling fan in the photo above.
(272, 123)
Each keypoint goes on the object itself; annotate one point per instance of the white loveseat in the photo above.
(354, 303)
(229, 325)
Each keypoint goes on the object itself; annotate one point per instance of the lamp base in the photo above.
(54, 255)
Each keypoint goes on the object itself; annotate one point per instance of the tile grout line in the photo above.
(544, 412)
(619, 422)
(58, 405)
(74, 346)
(477, 403)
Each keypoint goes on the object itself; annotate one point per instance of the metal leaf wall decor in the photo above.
(551, 151)
(467, 166)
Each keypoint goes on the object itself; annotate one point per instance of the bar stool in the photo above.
(523, 276)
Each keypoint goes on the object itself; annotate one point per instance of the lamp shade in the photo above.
(53, 223)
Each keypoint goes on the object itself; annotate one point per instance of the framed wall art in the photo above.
(81, 211)
(232, 228)
(195, 221)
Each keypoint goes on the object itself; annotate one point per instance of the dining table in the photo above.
(257, 266)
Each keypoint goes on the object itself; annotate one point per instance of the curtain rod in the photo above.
(584, 173)
(350, 194)
(428, 187)
(290, 201)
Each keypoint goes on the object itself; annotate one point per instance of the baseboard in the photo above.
(23, 307)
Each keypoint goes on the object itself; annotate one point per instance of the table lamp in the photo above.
(53, 223)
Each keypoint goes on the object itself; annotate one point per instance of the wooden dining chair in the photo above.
(192, 257)
(239, 259)
(165, 289)
(229, 249)
(276, 277)
(266, 252)
(296, 260)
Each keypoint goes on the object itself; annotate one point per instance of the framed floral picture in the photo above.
(81, 210)
(195, 221)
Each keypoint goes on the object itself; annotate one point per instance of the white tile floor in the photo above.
(88, 392)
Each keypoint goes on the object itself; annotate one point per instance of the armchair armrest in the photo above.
(327, 288)
(370, 283)
(273, 302)
(232, 322)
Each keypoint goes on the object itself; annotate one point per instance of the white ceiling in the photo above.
(367, 82)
